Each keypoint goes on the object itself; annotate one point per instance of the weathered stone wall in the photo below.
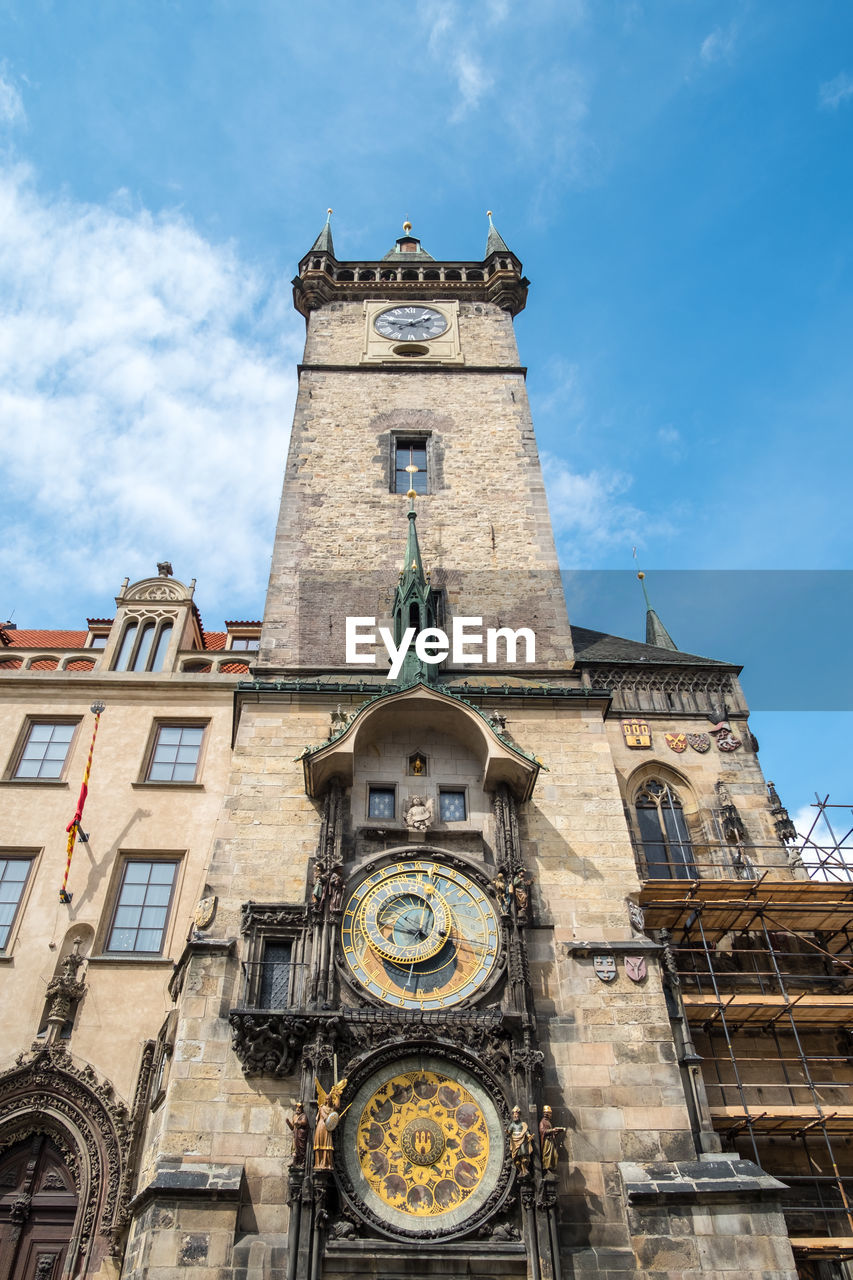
(341, 521)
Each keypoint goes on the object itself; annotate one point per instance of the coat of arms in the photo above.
(637, 733)
(204, 912)
(635, 967)
(726, 740)
(699, 742)
(676, 741)
(605, 967)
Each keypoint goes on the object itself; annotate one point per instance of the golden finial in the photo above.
(407, 226)
(488, 213)
(412, 470)
(640, 575)
(329, 211)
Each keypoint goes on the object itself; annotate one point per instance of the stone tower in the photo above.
(423, 1032)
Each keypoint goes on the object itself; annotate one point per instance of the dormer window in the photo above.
(144, 645)
(245, 642)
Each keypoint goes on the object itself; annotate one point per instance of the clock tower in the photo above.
(431, 1068)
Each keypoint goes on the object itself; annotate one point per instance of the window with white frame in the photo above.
(45, 749)
(176, 752)
(13, 878)
(142, 906)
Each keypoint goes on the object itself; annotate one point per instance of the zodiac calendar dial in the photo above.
(418, 935)
(423, 1146)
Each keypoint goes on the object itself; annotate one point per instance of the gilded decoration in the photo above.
(423, 1143)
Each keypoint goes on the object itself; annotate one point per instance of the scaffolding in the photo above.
(762, 972)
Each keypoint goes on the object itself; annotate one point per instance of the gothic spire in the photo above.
(656, 632)
(414, 605)
(495, 242)
(323, 243)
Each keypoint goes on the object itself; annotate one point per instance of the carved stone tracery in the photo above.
(46, 1092)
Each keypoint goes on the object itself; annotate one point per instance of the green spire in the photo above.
(414, 604)
(656, 632)
(495, 242)
(323, 243)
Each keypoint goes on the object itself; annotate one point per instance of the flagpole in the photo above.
(73, 827)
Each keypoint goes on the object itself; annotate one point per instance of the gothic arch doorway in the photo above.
(38, 1205)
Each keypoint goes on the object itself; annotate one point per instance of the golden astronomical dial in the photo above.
(419, 935)
(424, 1145)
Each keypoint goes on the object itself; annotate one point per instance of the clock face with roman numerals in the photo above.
(413, 324)
(418, 935)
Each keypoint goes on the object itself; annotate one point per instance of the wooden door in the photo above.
(38, 1205)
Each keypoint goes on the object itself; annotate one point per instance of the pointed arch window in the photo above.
(667, 847)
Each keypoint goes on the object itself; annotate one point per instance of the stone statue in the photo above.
(520, 887)
(299, 1128)
(520, 1143)
(417, 814)
(336, 889)
(548, 1135)
(318, 889)
(328, 1116)
(499, 886)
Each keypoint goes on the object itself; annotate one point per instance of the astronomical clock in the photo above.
(420, 935)
(423, 1148)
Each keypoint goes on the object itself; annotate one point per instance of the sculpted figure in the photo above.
(328, 1115)
(299, 1129)
(548, 1135)
(500, 888)
(418, 813)
(336, 889)
(520, 886)
(520, 1143)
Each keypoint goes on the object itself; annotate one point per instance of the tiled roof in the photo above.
(598, 646)
(235, 668)
(46, 639)
(241, 623)
(215, 639)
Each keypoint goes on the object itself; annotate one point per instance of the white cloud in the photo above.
(453, 46)
(11, 103)
(834, 92)
(589, 512)
(719, 45)
(471, 82)
(144, 396)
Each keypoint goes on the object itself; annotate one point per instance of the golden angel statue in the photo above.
(328, 1115)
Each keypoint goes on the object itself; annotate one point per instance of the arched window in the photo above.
(667, 848)
(162, 645)
(126, 647)
(140, 661)
(145, 648)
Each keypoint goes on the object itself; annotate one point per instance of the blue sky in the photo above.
(676, 177)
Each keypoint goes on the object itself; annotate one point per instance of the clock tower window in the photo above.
(408, 453)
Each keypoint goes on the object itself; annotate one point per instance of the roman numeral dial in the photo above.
(414, 324)
(417, 935)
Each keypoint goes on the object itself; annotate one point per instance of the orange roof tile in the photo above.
(46, 639)
(234, 668)
(215, 639)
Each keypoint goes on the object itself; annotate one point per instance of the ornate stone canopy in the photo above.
(422, 708)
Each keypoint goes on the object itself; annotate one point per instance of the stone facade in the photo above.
(539, 785)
